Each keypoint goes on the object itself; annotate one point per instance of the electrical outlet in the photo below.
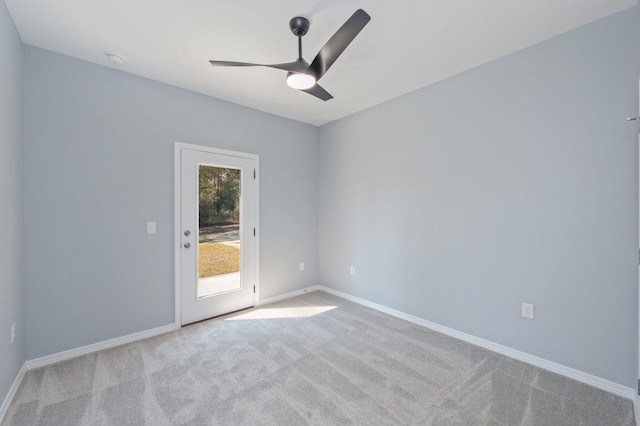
(13, 332)
(527, 310)
(302, 266)
(353, 270)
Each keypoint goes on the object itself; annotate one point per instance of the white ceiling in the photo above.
(407, 45)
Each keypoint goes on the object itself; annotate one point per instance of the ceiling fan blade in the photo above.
(297, 66)
(232, 64)
(339, 42)
(318, 92)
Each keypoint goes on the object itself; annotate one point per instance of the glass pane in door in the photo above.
(219, 230)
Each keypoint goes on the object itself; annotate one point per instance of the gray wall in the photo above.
(513, 182)
(11, 207)
(98, 146)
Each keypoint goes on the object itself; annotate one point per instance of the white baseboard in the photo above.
(572, 373)
(12, 392)
(554, 367)
(106, 344)
(288, 295)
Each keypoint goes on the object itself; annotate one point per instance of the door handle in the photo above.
(187, 233)
(187, 245)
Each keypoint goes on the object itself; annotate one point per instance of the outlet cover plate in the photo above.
(527, 310)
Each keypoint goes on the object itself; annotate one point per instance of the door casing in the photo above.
(177, 190)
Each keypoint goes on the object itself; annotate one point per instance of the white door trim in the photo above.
(637, 122)
(177, 224)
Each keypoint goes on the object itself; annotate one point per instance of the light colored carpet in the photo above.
(315, 359)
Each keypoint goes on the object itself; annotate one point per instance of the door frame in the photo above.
(637, 122)
(177, 204)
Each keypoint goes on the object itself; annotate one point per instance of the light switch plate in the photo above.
(151, 227)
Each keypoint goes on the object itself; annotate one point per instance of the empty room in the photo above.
(319, 212)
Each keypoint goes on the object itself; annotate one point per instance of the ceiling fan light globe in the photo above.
(300, 81)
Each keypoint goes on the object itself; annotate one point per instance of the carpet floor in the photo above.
(314, 359)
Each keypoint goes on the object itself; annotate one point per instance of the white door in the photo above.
(217, 248)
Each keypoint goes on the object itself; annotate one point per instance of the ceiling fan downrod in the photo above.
(299, 27)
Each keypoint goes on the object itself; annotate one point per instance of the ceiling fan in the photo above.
(303, 76)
